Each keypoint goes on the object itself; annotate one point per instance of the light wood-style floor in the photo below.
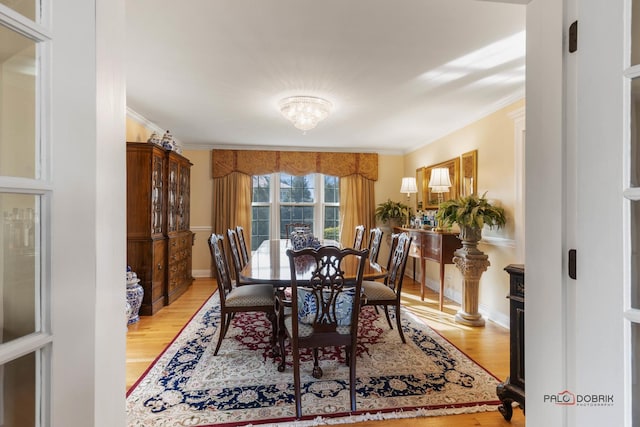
(489, 346)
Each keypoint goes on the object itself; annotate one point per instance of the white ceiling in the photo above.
(400, 73)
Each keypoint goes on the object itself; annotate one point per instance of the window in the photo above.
(313, 199)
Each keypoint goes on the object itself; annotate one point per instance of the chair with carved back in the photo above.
(387, 293)
(358, 240)
(249, 298)
(242, 243)
(375, 239)
(236, 257)
(323, 310)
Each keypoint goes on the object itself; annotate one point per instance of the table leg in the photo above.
(423, 278)
(441, 296)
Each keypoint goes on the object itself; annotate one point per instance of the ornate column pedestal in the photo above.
(472, 263)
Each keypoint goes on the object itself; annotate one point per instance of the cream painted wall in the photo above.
(493, 137)
(390, 173)
(201, 203)
(137, 132)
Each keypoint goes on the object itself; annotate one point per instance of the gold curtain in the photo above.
(254, 162)
(232, 204)
(357, 206)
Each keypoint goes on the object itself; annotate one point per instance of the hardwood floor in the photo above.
(489, 346)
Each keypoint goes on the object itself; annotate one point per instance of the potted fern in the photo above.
(392, 212)
(471, 213)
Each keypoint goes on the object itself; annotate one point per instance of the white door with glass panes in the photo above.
(62, 213)
(25, 190)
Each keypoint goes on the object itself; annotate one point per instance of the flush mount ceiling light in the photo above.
(305, 112)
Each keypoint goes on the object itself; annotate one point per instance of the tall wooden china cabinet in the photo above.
(159, 241)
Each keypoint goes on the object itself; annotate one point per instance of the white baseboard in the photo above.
(456, 296)
(495, 317)
(201, 273)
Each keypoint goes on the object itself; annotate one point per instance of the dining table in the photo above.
(270, 264)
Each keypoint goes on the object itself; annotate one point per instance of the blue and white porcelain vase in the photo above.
(135, 292)
(303, 238)
(300, 238)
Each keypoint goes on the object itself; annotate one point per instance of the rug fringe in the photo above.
(380, 416)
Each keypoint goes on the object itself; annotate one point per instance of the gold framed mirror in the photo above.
(420, 185)
(429, 197)
(469, 173)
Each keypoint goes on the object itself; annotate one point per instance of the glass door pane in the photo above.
(18, 396)
(635, 32)
(20, 260)
(27, 8)
(17, 105)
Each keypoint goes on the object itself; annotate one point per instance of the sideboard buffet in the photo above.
(432, 245)
(159, 240)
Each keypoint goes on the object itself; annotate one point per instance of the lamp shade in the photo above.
(439, 181)
(408, 185)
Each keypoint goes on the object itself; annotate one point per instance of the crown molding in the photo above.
(133, 115)
(214, 146)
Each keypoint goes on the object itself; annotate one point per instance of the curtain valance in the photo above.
(254, 162)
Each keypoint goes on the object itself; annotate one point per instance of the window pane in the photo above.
(331, 189)
(261, 185)
(297, 189)
(19, 279)
(17, 105)
(331, 223)
(18, 379)
(291, 214)
(259, 225)
(26, 8)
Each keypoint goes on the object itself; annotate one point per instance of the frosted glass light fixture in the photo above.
(305, 112)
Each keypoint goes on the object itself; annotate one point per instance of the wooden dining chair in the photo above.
(387, 293)
(375, 239)
(358, 240)
(236, 257)
(254, 297)
(324, 311)
(242, 243)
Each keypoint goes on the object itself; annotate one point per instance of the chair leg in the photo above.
(386, 313)
(283, 355)
(274, 328)
(230, 317)
(398, 323)
(317, 371)
(296, 381)
(352, 377)
(223, 331)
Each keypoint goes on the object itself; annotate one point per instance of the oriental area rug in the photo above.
(188, 386)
